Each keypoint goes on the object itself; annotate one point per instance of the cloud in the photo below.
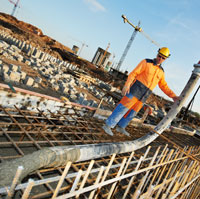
(180, 23)
(185, 23)
(179, 28)
(177, 21)
(94, 5)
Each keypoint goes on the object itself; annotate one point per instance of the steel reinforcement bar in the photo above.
(60, 155)
(165, 173)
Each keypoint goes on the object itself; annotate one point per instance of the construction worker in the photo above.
(139, 85)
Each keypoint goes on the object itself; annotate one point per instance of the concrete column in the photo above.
(34, 51)
(13, 41)
(19, 44)
(41, 55)
(45, 56)
(23, 45)
(61, 63)
(29, 50)
(25, 48)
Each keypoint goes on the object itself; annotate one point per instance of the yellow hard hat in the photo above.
(164, 51)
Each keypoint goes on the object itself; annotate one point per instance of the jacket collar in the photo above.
(155, 64)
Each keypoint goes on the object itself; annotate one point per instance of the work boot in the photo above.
(107, 129)
(122, 130)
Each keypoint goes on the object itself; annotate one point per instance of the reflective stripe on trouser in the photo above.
(129, 105)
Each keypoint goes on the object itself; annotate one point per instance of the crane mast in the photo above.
(127, 47)
(136, 29)
(15, 6)
(83, 44)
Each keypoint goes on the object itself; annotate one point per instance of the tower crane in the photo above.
(83, 44)
(128, 46)
(136, 29)
(15, 6)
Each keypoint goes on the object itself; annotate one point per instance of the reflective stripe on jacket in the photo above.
(150, 74)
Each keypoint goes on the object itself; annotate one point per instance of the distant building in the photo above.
(101, 57)
(118, 74)
(75, 49)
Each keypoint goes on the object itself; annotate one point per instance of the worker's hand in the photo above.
(175, 98)
(125, 90)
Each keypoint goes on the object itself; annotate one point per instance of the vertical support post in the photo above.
(14, 182)
(27, 191)
(61, 179)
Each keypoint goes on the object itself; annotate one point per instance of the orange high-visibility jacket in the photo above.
(150, 74)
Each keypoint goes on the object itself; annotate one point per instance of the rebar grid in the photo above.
(23, 132)
(165, 174)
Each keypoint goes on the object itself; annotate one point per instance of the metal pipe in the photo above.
(57, 156)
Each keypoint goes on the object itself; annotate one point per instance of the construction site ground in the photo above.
(30, 33)
(25, 132)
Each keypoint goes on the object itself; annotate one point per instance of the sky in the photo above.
(95, 23)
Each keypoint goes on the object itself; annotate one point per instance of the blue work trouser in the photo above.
(129, 105)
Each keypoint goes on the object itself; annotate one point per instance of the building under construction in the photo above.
(101, 57)
(52, 147)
